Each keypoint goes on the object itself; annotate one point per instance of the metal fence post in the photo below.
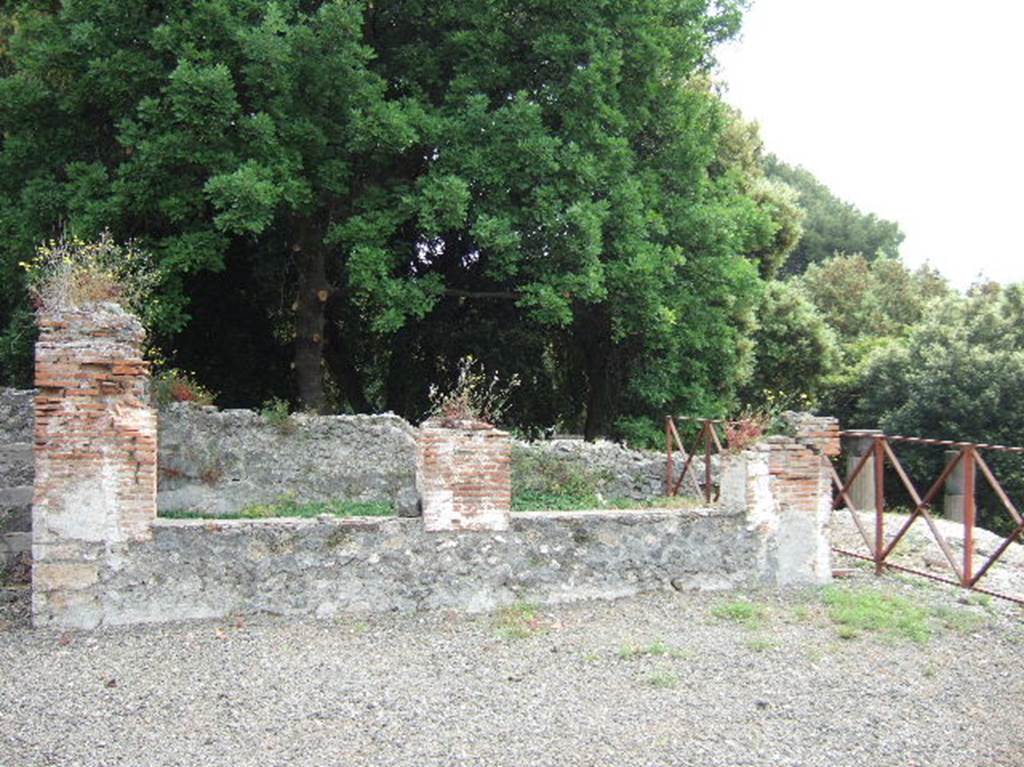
(669, 468)
(708, 426)
(879, 475)
(968, 506)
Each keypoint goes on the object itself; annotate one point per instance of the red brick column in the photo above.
(799, 479)
(95, 455)
(464, 475)
(820, 432)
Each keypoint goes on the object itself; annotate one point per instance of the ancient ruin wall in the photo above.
(17, 470)
(218, 461)
(95, 457)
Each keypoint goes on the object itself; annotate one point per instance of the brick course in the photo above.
(465, 476)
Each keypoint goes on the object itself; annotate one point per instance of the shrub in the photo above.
(475, 395)
(179, 386)
(70, 273)
(276, 413)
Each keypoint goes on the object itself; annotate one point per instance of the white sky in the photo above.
(910, 109)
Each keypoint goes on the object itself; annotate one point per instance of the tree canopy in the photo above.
(831, 225)
(345, 198)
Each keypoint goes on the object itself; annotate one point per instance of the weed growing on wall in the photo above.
(474, 396)
(543, 482)
(277, 414)
(70, 273)
(175, 385)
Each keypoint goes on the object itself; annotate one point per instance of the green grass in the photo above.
(519, 621)
(539, 501)
(760, 644)
(291, 508)
(957, 619)
(861, 610)
(749, 614)
(661, 680)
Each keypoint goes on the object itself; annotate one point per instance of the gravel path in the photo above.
(652, 681)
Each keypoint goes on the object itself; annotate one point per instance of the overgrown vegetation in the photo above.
(749, 614)
(855, 612)
(169, 386)
(338, 204)
(542, 482)
(293, 508)
(70, 273)
(277, 413)
(860, 610)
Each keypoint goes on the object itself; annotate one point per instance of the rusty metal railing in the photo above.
(707, 438)
(968, 459)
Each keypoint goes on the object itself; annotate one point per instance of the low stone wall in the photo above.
(217, 461)
(16, 476)
(322, 567)
(614, 470)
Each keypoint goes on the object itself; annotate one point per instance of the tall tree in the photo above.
(195, 126)
(831, 225)
(555, 187)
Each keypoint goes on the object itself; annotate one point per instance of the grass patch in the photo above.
(519, 621)
(291, 508)
(955, 619)
(802, 614)
(661, 680)
(749, 614)
(535, 501)
(856, 611)
(760, 644)
(545, 482)
(656, 649)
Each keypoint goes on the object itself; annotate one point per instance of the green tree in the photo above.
(794, 348)
(196, 128)
(869, 305)
(832, 225)
(956, 376)
(390, 186)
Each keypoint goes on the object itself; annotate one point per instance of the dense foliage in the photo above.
(339, 200)
(344, 199)
(832, 225)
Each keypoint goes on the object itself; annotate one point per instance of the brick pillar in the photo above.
(95, 456)
(464, 475)
(820, 432)
(783, 489)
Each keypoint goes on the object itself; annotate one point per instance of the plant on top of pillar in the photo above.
(474, 396)
(70, 273)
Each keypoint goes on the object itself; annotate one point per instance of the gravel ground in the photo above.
(918, 549)
(566, 686)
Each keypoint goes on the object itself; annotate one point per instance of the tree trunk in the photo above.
(593, 333)
(339, 360)
(309, 326)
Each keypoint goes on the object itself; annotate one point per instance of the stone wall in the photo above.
(100, 556)
(16, 474)
(614, 470)
(323, 567)
(221, 461)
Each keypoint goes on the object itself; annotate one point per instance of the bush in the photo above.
(276, 413)
(175, 385)
(70, 273)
